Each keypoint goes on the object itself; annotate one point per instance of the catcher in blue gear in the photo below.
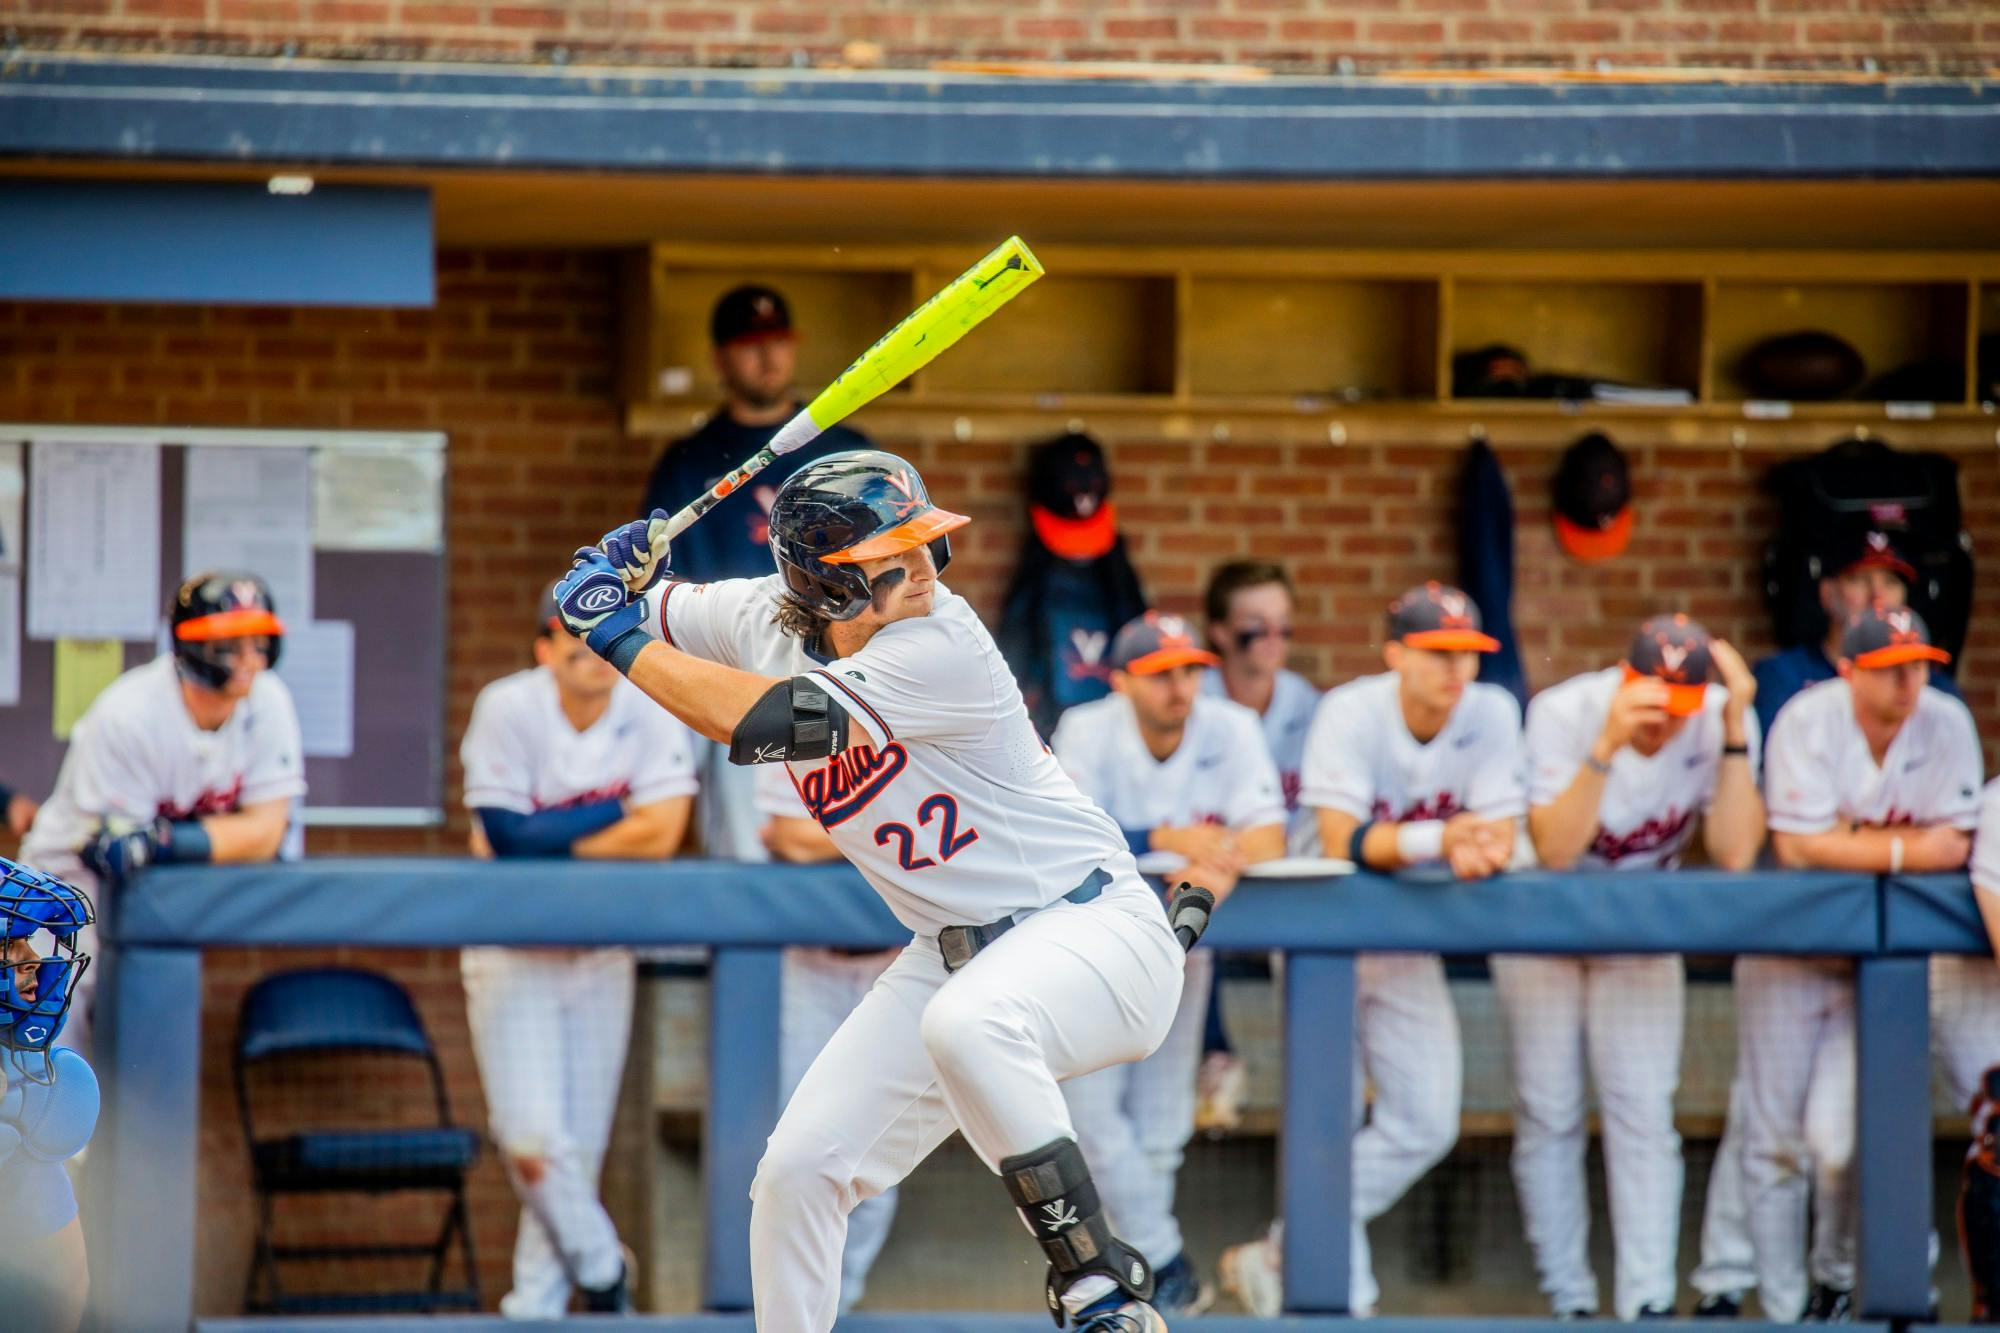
(48, 1100)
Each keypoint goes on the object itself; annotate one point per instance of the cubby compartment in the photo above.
(1986, 346)
(1895, 327)
(837, 313)
(1086, 334)
(1312, 340)
(1641, 334)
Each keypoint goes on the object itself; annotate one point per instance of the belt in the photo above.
(958, 944)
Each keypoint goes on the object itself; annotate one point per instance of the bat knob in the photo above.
(1188, 913)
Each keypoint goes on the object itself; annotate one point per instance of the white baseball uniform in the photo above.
(1134, 1121)
(1620, 1014)
(1795, 1017)
(1362, 760)
(1285, 722)
(136, 755)
(819, 989)
(1965, 991)
(550, 1026)
(950, 805)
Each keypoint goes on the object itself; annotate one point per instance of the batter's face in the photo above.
(1162, 699)
(1432, 679)
(1859, 589)
(1886, 695)
(905, 586)
(1652, 737)
(758, 372)
(580, 674)
(1258, 631)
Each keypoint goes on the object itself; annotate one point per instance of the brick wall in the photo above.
(1296, 36)
(515, 364)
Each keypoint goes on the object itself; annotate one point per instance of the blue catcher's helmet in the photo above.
(838, 511)
(40, 916)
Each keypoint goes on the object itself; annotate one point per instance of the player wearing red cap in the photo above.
(1622, 763)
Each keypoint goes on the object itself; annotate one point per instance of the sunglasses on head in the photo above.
(1256, 630)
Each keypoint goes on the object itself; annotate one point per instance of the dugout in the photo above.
(519, 259)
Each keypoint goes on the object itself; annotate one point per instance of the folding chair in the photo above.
(318, 1013)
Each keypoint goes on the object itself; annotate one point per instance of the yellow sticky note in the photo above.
(83, 668)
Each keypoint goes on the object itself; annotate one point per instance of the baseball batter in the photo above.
(1966, 1030)
(1186, 774)
(1622, 764)
(1249, 605)
(1417, 766)
(1039, 953)
(195, 756)
(1870, 772)
(819, 989)
(563, 760)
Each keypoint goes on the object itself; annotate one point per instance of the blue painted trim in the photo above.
(77, 240)
(792, 122)
(1893, 1136)
(742, 1110)
(419, 901)
(1315, 1166)
(142, 1158)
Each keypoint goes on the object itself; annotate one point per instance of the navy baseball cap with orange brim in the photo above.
(1673, 649)
(1883, 636)
(1873, 550)
(1152, 643)
(1441, 618)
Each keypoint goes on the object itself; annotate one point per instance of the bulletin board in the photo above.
(98, 527)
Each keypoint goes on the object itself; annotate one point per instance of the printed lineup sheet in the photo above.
(94, 541)
(317, 665)
(252, 509)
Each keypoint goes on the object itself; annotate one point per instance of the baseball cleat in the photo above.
(1720, 1305)
(1254, 1275)
(1118, 1313)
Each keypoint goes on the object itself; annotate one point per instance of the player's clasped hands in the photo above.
(1936, 847)
(1476, 847)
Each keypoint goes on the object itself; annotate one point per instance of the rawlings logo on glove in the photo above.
(594, 605)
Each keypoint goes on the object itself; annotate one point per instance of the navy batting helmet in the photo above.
(838, 511)
(214, 610)
(40, 916)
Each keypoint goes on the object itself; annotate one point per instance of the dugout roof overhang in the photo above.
(574, 156)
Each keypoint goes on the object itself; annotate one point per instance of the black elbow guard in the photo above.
(795, 719)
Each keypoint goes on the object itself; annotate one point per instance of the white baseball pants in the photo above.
(549, 1030)
(1072, 988)
(1728, 1259)
(1965, 1021)
(1795, 1031)
(1134, 1121)
(1622, 1017)
(821, 987)
(1407, 1044)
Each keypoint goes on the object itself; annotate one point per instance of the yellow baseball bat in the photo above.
(955, 311)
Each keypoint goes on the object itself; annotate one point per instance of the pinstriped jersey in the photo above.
(945, 799)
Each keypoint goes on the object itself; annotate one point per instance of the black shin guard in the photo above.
(1051, 1186)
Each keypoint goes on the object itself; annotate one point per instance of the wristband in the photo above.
(1597, 766)
(186, 843)
(1420, 841)
(1743, 750)
(619, 636)
(1354, 841)
(1896, 855)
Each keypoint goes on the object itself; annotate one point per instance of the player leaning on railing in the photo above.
(1039, 953)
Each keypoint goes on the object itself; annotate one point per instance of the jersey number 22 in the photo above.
(950, 841)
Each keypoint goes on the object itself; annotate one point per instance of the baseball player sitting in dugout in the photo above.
(194, 756)
(1621, 764)
(1872, 772)
(1419, 766)
(1184, 774)
(563, 760)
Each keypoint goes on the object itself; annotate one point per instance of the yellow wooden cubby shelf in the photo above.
(1178, 343)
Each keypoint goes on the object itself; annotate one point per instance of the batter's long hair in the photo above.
(795, 617)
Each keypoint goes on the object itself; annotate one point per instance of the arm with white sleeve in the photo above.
(1336, 785)
(1986, 863)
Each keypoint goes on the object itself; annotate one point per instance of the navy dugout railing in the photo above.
(143, 1240)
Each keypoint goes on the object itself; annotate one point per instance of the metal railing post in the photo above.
(742, 1109)
(1316, 1136)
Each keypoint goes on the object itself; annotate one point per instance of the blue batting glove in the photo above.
(638, 551)
(115, 857)
(592, 602)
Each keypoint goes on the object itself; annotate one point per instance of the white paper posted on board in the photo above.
(251, 509)
(93, 540)
(317, 665)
